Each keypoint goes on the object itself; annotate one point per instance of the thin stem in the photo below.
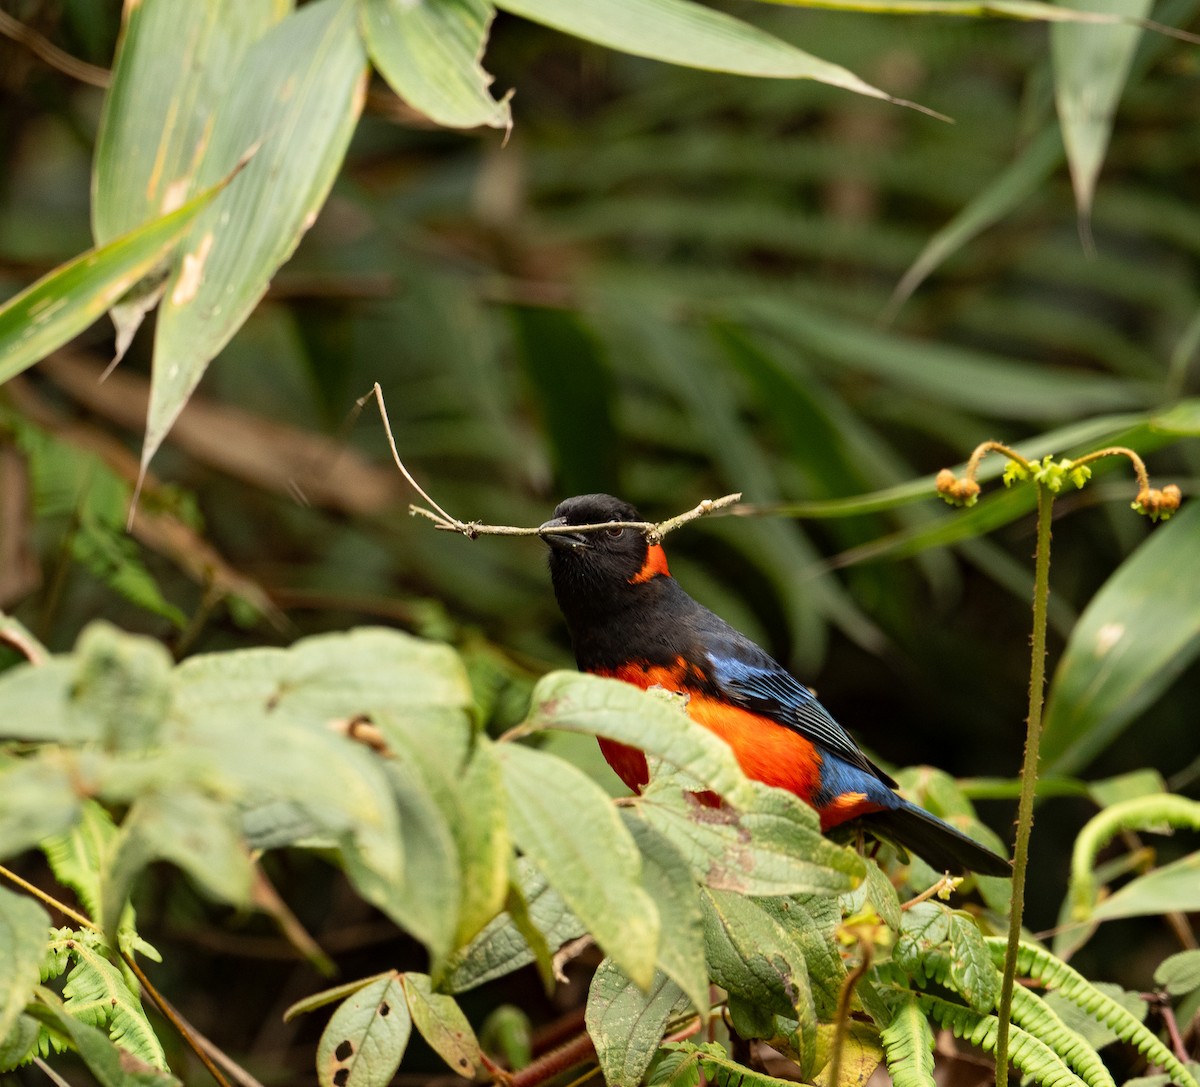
(992, 447)
(842, 1024)
(50, 900)
(1037, 682)
(1139, 467)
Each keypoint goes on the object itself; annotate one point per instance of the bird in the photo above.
(629, 619)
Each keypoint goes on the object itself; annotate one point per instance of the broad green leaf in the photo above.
(20, 1043)
(669, 882)
(366, 1036)
(627, 1024)
(681, 32)
(566, 825)
(812, 921)
(1091, 64)
(65, 301)
(122, 684)
(1023, 177)
(294, 99)
(1174, 887)
(442, 1024)
(111, 1065)
(173, 68)
(1116, 790)
(465, 785)
(38, 799)
(194, 832)
(34, 703)
(501, 948)
(932, 931)
(1140, 631)
(653, 721)
(753, 956)
(1023, 10)
(772, 847)
(23, 928)
(430, 54)
(327, 678)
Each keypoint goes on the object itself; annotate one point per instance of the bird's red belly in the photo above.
(765, 750)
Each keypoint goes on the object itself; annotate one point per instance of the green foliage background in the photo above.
(669, 284)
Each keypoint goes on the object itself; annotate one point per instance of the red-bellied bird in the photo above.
(630, 619)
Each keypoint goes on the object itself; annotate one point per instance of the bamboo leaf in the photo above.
(295, 98)
(680, 32)
(1091, 64)
(65, 301)
(1139, 632)
(430, 54)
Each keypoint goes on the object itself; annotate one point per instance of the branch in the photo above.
(654, 530)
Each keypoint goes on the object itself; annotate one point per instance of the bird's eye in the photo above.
(614, 532)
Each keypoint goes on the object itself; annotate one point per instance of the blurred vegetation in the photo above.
(667, 284)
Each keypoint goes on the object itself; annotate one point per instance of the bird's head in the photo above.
(589, 569)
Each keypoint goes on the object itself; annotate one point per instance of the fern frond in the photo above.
(1039, 1019)
(1034, 1058)
(908, 1045)
(96, 993)
(1039, 964)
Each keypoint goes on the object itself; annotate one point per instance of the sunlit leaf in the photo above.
(65, 301)
(442, 1024)
(627, 1024)
(430, 54)
(23, 928)
(294, 100)
(681, 32)
(1173, 888)
(589, 858)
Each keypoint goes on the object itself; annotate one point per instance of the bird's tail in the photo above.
(945, 848)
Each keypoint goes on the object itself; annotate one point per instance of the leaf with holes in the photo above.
(442, 1024)
(366, 1036)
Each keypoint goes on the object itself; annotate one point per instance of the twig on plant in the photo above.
(654, 530)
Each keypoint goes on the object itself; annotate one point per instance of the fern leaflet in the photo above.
(908, 1045)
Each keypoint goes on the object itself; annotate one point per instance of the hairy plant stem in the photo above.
(1033, 739)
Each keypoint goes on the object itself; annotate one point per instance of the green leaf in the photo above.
(442, 1024)
(195, 832)
(668, 880)
(366, 1036)
(752, 955)
(65, 301)
(294, 99)
(1138, 633)
(112, 1065)
(680, 32)
(122, 684)
(501, 947)
(20, 1044)
(1091, 64)
(652, 721)
(38, 799)
(1179, 974)
(1174, 887)
(566, 825)
(172, 69)
(772, 847)
(1006, 191)
(908, 1044)
(23, 928)
(465, 785)
(329, 996)
(812, 921)
(936, 941)
(34, 703)
(429, 53)
(627, 1024)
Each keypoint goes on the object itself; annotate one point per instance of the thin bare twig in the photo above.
(654, 530)
(43, 48)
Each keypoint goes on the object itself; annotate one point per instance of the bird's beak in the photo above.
(566, 540)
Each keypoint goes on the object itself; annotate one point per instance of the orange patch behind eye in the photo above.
(655, 564)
